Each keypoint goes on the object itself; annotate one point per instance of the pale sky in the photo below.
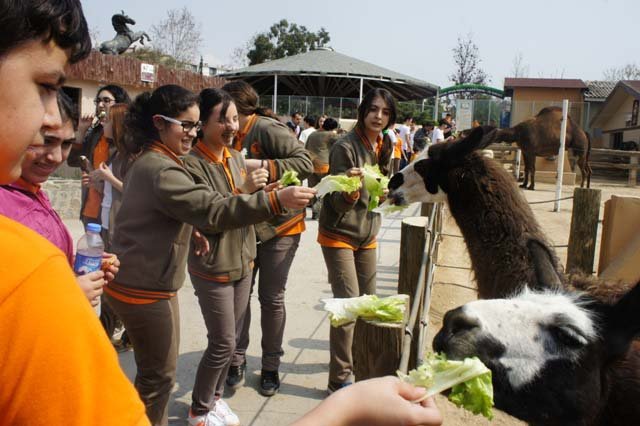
(557, 38)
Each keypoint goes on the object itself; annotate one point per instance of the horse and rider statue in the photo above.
(125, 36)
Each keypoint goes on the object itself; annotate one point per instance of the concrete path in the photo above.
(304, 369)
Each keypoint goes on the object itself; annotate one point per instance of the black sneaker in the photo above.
(269, 382)
(336, 386)
(235, 376)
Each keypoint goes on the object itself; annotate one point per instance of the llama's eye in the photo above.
(568, 336)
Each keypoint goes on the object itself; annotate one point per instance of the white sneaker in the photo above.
(223, 412)
(209, 419)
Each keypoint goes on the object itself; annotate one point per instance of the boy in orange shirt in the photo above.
(57, 366)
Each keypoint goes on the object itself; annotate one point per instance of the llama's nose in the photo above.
(456, 323)
(396, 181)
(396, 198)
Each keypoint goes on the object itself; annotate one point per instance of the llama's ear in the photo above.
(623, 323)
(469, 144)
(544, 263)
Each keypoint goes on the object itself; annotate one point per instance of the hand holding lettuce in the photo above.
(469, 380)
(374, 181)
(369, 307)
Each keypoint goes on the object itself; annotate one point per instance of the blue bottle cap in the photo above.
(94, 227)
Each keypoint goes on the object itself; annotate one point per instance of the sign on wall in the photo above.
(147, 73)
(464, 113)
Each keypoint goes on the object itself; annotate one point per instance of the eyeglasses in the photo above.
(187, 126)
(106, 101)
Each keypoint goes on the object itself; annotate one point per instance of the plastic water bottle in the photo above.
(89, 252)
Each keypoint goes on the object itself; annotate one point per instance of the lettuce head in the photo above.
(469, 381)
(376, 183)
(290, 177)
(337, 183)
(369, 307)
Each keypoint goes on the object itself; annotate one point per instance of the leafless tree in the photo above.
(239, 57)
(178, 35)
(630, 71)
(467, 60)
(519, 69)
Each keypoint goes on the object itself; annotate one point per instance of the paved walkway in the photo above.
(304, 369)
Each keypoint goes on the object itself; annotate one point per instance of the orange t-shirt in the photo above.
(57, 366)
(94, 198)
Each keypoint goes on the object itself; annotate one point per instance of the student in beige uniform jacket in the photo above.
(270, 145)
(347, 230)
(222, 277)
(160, 203)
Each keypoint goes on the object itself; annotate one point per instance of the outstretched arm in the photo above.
(385, 401)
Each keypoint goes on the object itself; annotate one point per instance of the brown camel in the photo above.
(540, 136)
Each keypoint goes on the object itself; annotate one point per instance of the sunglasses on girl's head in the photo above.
(187, 126)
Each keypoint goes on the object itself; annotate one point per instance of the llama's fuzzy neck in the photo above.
(495, 221)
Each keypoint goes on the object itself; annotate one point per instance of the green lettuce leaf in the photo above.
(469, 380)
(388, 208)
(368, 307)
(376, 183)
(290, 177)
(337, 183)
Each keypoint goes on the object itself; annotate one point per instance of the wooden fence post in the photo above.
(584, 230)
(377, 348)
(414, 240)
(633, 171)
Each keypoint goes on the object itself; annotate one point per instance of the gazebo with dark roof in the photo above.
(324, 72)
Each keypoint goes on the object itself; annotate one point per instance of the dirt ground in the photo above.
(454, 284)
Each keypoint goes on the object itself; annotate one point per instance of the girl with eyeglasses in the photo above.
(93, 144)
(160, 204)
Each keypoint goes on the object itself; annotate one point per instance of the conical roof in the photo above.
(325, 63)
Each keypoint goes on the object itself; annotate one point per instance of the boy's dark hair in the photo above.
(329, 124)
(443, 122)
(365, 105)
(169, 100)
(293, 114)
(121, 95)
(68, 109)
(310, 120)
(407, 117)
(61, 21)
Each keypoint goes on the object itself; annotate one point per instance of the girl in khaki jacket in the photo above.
(222, 277)
(346, 229)
(160, 204)
(268, 144)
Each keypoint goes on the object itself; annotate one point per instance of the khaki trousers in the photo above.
(223, 306)
(154, 331)
(273, 263)
(351, 274)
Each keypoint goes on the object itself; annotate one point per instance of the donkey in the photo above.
(508, 250)
(557, 358)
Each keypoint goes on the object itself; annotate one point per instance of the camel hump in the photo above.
(549, 110)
